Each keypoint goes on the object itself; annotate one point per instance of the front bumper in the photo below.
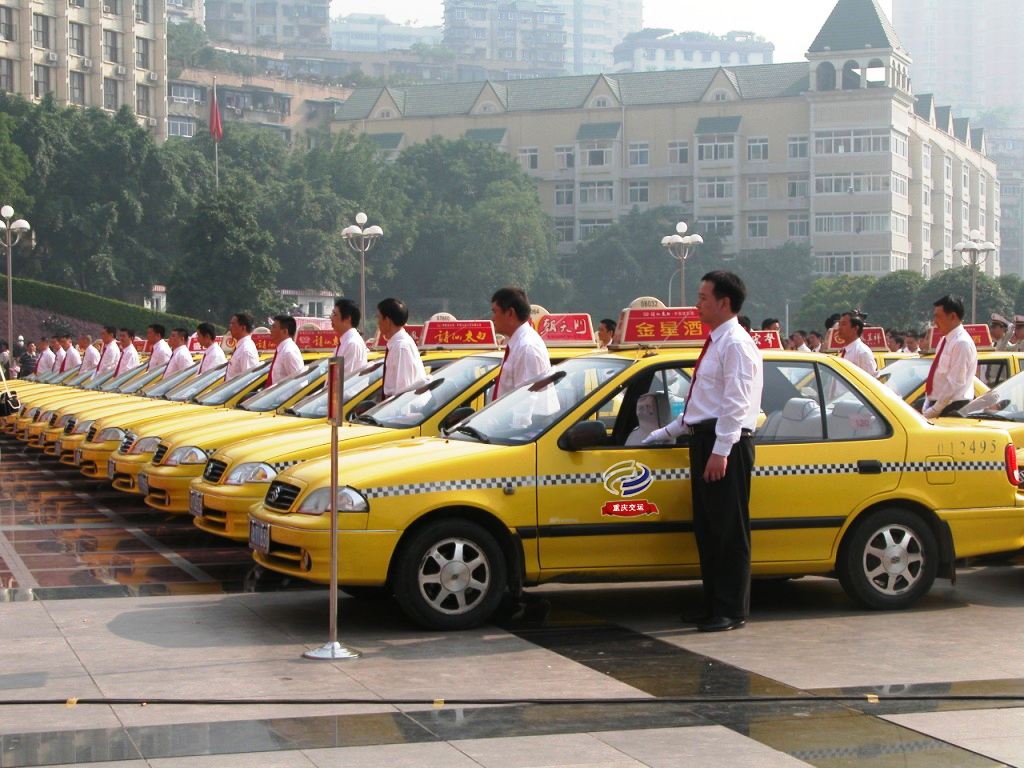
(225, 508)
(168, 486)
(126, 470)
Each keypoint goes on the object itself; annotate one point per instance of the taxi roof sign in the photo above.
(767, 339)
(195, 346)
(458, 334)
(317, 340)
(573, 329)
(667, 327)
(873, 336)
(979, 333)
(416, 331)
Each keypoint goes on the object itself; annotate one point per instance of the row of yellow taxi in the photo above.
(449, 502)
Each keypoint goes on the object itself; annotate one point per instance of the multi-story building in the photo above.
(267, 22)
(507, 30)
(595, 27)
(179, 11)
(655, 50)
(374, 32)
(1006, 146)
(835, 152)
(99, 54)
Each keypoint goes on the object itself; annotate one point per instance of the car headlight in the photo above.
(32, 413)
(63, 420)
(144, 445)
(83, 427)
(110, 433)
(319, 501)
(44, 416)
(187, 454)
(251, 472)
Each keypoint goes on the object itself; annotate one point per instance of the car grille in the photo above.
(70, 426)
(160, 453)
(53, 418)
(92, 434)
(214, 470)
(281, 496)
(126, 443)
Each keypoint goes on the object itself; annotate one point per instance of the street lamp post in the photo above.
(361, 239)
(974, 251)
(680, 247)
(12, 234)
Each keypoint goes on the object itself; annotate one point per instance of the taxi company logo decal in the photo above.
(628, 479)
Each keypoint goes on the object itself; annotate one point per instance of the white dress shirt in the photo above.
(955, 363)
(159, 355)
(244, 358)
(71, 359)
(727, 387)
(352, 349)
(90, 359)
(527, 359)
(213, 356)
(181, 359)
(129, 359)
(859, 353)
(58, 358)
(108, 360)
(803, 348)
(45, 362)
(287, 361)
(403, 367)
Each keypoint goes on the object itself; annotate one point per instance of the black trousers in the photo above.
(721, 524)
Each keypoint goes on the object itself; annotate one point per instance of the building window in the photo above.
(142, 100)
(112, 6)
(594, 192)
(179, 126)
(40, 30)
(6, 75)
(856, 141)
(639, 153)
(757, 149)
(926, 198)
(716, 225)
(715, 188)
(565, 230)
(926, 160)
(600, 103)
(142, 50)
(679, 192)
(565, 157)
(76, 39)
(966, 176)
(852, 183)
(678, 152)
(76, 89)
(40, 81)
(949, 206)
(832, 263)
(757, 227)
(900, 184)
(111, 46)
(799, 225)
(6, 23)
(716, 147)
(797, 147)
(947, 239)
(596, 154)
(852, 223)
(564, 193)
(529, 158)
(926, 237)
(142, 10)
(948, 166)
(186, 94)
(757, 188)
(796, 186)
(900, 224)
(590, 227)
(638, 192)
(111, 93)
(718, 95)
(384, 114)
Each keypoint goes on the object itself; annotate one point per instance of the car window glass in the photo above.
(791, 402)
(905, 376)
(993, 372)
(848, 415)
(276, 395)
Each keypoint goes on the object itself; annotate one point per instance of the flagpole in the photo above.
(216, 142)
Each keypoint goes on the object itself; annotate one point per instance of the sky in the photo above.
(790, 24)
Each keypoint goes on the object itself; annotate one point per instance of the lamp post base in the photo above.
(332, 651)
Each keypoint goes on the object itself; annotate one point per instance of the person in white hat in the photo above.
(999, 326)
(1016, 342)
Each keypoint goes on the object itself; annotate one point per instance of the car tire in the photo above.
(889, 560)
(450, 575)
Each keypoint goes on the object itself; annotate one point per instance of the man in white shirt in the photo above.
(129, 354)
(111, 352)
(799, 339)
(526, 357)
(58, 353)
(950, 383)
(403, 367)
(90, 354)
(159, 349)
(287, 357)
(857, 352)
(720, 415)
(606, 332)
(71, 359)
(244, 357)
(180, 357)
(213, 353)
(46, 357)
(351, 348)
(813, 341)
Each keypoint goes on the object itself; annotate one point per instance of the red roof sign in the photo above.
(872, 336)
(658, 327)
(472, 334)
(567, 330)
(767, 339)
(979, 332)
(317, 340)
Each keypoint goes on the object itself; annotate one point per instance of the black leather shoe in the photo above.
(696, 617)
(721, 624)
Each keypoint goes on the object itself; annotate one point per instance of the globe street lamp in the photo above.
(974, 251)
(361, 239)
(12, 234)
(680, 247)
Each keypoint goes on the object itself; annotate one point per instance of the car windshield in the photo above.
(274, 397)
(135, 385)
(315, 406)
(79, 378)
(412, 408)
(162, 387)
(525, 413)
(1002, 403)
(64, 378)
(905, 376)
(116, 383)
(184, 392)
(237, 385)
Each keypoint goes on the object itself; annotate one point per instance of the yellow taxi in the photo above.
(540, 486)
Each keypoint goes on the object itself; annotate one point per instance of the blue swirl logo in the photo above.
(627, 478)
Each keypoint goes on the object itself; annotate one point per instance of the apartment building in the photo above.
(595, 27)
(269, 22)
(1006, 146)
(88, 53)
(655, 50)
(836, 152)
(374, 32)
(179, 11)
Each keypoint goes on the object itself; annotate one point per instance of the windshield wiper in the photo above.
(365, 418)
(984, 415)
(474, 433)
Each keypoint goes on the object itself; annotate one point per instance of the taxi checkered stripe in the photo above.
(477, 484)
(280, 466)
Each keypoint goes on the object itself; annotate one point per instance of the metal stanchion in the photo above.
(335, 400)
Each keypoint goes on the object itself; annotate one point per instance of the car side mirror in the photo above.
(585, 434)
(360, 409)
(453, 418)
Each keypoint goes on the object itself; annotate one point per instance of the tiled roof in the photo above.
(598, 131)
(961, 128)
(942, 118)
(855, 25)
(718, 125)
(923, 105)
(978, 139)
(486, 135)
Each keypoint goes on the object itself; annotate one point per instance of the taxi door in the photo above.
(622, 504)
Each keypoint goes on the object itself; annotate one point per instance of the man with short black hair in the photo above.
(159, 349)
(403, 367)
(71, 359)
(351, 347)
(180, 358)
(814, 341)
(287, 357)
(244, 357)
(856, 351)
(526, 356)
(213, 353)
(950, 383)
(47, 358)
(605, 332)
(129, 354)
(111, 351)
(771, 324)
(799, 339)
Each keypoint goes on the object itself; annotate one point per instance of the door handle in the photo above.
(869, 467)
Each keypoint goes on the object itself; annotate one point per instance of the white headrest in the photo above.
(799, 408)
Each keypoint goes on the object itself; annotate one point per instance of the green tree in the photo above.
(14, 168)
(991, 297)
(772, 277)
(829, 295)
(185, 44)
(891, 301)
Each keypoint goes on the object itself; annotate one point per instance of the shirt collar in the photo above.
(724, 328)
(958, 331)
(396, 338)
(519, 334)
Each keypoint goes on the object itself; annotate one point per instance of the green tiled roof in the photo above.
(598, 131)
(358, 105)
(855, 25)
(718, 125)
(978, 139)
(486, 135)
(386, 140)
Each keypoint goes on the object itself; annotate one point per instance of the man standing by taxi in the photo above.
(857, 352)
(111, 351)
(57, 345)
(213, 354)
(403, 367)
(46, 357)
(244, 357)
(999, 326)
(90, 354)
(950, 383)
(526, 356)
(351, 347)
(129, 354)
(159, 349)
(720, 415)
(287, 357)
(180, 358)
(71, 360)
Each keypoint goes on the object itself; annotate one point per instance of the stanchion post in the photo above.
(335, 402)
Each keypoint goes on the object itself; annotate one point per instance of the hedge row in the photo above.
(88, 306)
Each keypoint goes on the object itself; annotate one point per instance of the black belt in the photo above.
(708, 427)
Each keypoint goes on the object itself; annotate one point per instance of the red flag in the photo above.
(216, 129)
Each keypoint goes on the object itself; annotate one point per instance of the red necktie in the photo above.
(935, 366)
(117, 370)
(63, 362)
(696, 368)
(497, 379)
(842, 352)
(270, 376)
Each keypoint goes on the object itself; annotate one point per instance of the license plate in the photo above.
(60, 447)
(111, 468)
(144, 484)
(78, 456)
(259, 536)
(195, 502)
